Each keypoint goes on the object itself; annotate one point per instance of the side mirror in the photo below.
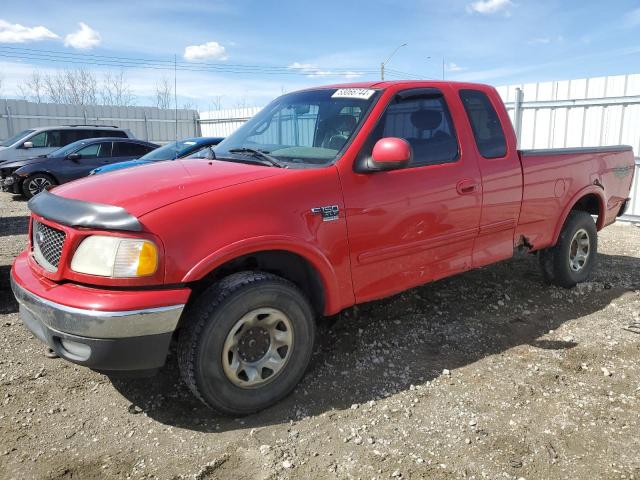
(27, 145)
(391, 153)
(74, 156)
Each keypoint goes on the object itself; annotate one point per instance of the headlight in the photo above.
(115, 257)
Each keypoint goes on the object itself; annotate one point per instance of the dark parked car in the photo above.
(31, 176)
(197, 147)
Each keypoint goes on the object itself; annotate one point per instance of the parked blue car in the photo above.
(197, 147)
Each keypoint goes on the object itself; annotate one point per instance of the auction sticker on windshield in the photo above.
(362, 93)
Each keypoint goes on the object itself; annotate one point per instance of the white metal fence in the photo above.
(147, 123)
(572, 113)
(222, 123)
(579, 113)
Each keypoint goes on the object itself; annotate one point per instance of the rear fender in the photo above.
(589, 190)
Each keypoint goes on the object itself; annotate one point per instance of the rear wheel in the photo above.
(247, 342)
(35, 184)
(572, 259)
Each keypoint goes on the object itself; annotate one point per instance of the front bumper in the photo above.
(105, 340)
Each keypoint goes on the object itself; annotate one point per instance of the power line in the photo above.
(171, 62)
(123, 62)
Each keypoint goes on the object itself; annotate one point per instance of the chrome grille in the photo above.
(47, 245)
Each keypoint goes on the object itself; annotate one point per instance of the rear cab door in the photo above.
(410, 226)
(494, 146)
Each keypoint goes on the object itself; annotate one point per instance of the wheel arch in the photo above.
(591, 200)
(301, 264)
(42, 172)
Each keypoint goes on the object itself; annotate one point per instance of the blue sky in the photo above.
(493, 41)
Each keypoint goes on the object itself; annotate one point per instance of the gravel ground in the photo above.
(489, 374)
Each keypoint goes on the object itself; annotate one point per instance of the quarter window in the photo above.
(485, 124)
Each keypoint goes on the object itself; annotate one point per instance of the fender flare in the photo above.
(307, 251)
(588, 190)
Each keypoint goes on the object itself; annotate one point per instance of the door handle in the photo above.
(466, 187)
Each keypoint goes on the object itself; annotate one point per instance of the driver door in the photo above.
(417, 224)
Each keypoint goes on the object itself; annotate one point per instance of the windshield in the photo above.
(309, 127)
(171, 150)
(10, 141)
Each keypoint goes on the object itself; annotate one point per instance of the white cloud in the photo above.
(487, 7)
(313, 71)
(454, 67)
(83, 39)
(16, 33)
(209, 50)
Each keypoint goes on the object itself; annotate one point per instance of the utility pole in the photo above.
(175, 95)
(443, 68)
(387, 60)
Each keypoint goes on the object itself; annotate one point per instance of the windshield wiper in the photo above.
(261, 155)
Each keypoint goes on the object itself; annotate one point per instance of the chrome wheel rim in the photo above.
(37, 185)
(257, 347)
(579, 250)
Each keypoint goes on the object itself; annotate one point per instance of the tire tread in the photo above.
(199, 315)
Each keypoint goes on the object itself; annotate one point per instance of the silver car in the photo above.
(42, 140)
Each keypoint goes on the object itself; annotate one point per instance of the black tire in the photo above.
(556, 262)
(210, 320)
(34, 184)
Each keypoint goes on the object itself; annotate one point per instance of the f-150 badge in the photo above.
(329, 212)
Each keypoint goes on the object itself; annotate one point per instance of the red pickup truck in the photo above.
(327, 198)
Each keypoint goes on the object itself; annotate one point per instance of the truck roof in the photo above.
(390, 83)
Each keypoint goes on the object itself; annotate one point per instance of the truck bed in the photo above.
(555, 179)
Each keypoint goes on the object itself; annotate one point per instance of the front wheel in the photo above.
(35, 184)
(246, 343)
(573, 258)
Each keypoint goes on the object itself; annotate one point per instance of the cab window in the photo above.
(425, 122)
(486, 126)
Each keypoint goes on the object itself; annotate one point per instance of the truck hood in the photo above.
(140, 190)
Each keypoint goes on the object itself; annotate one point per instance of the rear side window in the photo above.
(70, 136)
(123, 149)
(426, 124)
(82, 134)
(96, 150)
(485, 124)
(107, 133)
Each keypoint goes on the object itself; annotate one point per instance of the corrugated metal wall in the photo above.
(146, 123)
(582, 113)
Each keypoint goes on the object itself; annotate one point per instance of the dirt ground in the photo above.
(489, 374)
